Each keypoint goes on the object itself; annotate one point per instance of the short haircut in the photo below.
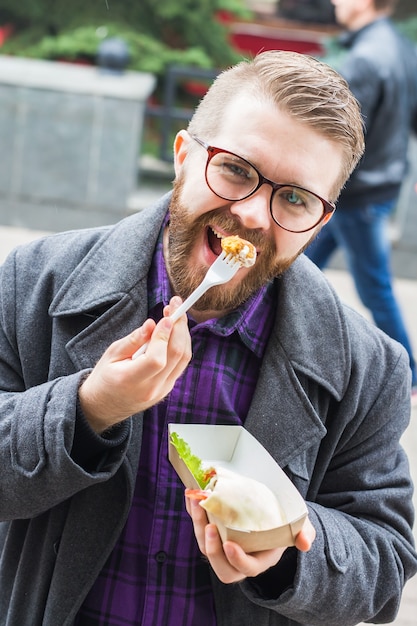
(301, 86)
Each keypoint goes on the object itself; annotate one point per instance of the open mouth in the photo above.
(214, 239)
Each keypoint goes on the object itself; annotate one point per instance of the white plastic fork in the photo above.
(222, 270)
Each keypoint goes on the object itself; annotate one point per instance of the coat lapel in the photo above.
(309, 345)
(109, 286)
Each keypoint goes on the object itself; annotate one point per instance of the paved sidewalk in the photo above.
(407, 295)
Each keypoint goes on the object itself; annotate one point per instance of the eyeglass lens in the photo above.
(234, 178)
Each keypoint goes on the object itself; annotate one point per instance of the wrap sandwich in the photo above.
(237, 501)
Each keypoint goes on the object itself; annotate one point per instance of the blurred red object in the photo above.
(254, 38)
(5, 32)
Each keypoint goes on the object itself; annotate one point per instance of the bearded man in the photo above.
(94, 527)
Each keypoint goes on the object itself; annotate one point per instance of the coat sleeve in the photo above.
(38, 417)
(361, 509)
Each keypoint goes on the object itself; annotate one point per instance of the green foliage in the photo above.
(409, 28)
(157, 33)
(146, 53)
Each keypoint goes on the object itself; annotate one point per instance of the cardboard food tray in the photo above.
(235, 448)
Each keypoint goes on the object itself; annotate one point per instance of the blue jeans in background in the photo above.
(362, 235)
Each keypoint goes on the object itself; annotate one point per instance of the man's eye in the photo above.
(293, 197)
(234, 168)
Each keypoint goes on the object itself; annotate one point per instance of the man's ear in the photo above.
(181, 144)
(327, 218)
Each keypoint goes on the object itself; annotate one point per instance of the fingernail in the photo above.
(175, 302)
(211, 531)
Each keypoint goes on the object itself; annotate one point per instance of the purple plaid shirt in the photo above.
(156, 574)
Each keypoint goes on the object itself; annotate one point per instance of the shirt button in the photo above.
(161, 557)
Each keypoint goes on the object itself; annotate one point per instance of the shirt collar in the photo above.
(253, 320)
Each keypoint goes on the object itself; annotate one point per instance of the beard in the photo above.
(185, 277)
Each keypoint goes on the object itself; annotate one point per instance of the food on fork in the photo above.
(222, 270)
(244, 250)
(237, 501)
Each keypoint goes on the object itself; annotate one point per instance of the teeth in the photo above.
(217, 233)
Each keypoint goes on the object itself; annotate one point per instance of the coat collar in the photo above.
(114, 266)
(110, 280)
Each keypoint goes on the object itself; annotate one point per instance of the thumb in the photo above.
(161, 333)
(125, 347)
(305, 538)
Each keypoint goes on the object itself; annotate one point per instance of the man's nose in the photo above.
(254, 211)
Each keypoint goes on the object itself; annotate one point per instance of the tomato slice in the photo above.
(196, 494)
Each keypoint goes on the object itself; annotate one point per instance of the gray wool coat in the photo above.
(331, 403)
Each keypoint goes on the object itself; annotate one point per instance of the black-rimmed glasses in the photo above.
(233, 178)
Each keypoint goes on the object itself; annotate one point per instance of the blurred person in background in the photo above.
(380, 67)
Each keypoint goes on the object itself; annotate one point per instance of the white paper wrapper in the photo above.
(234, 448)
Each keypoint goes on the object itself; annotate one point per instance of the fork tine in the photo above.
(231, 259)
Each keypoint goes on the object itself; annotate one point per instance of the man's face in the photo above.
(349, 12)
(283, 150)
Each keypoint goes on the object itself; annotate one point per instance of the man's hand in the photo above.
(118, 386)
(230, 563)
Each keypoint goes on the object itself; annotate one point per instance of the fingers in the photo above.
(223, 558)
(168, 345)
(200, 521)
(228, 560)
(306, 536)
(238, 564)
(125, 347)
(171, 341)
(158, 334)
(120, 386)
(210, 544)
(231, 563)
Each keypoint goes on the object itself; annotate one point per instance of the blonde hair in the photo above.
(301, 86)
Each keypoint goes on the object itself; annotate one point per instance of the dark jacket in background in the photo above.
(381, 68)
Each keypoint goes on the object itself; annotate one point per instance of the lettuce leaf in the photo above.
(192, 461)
